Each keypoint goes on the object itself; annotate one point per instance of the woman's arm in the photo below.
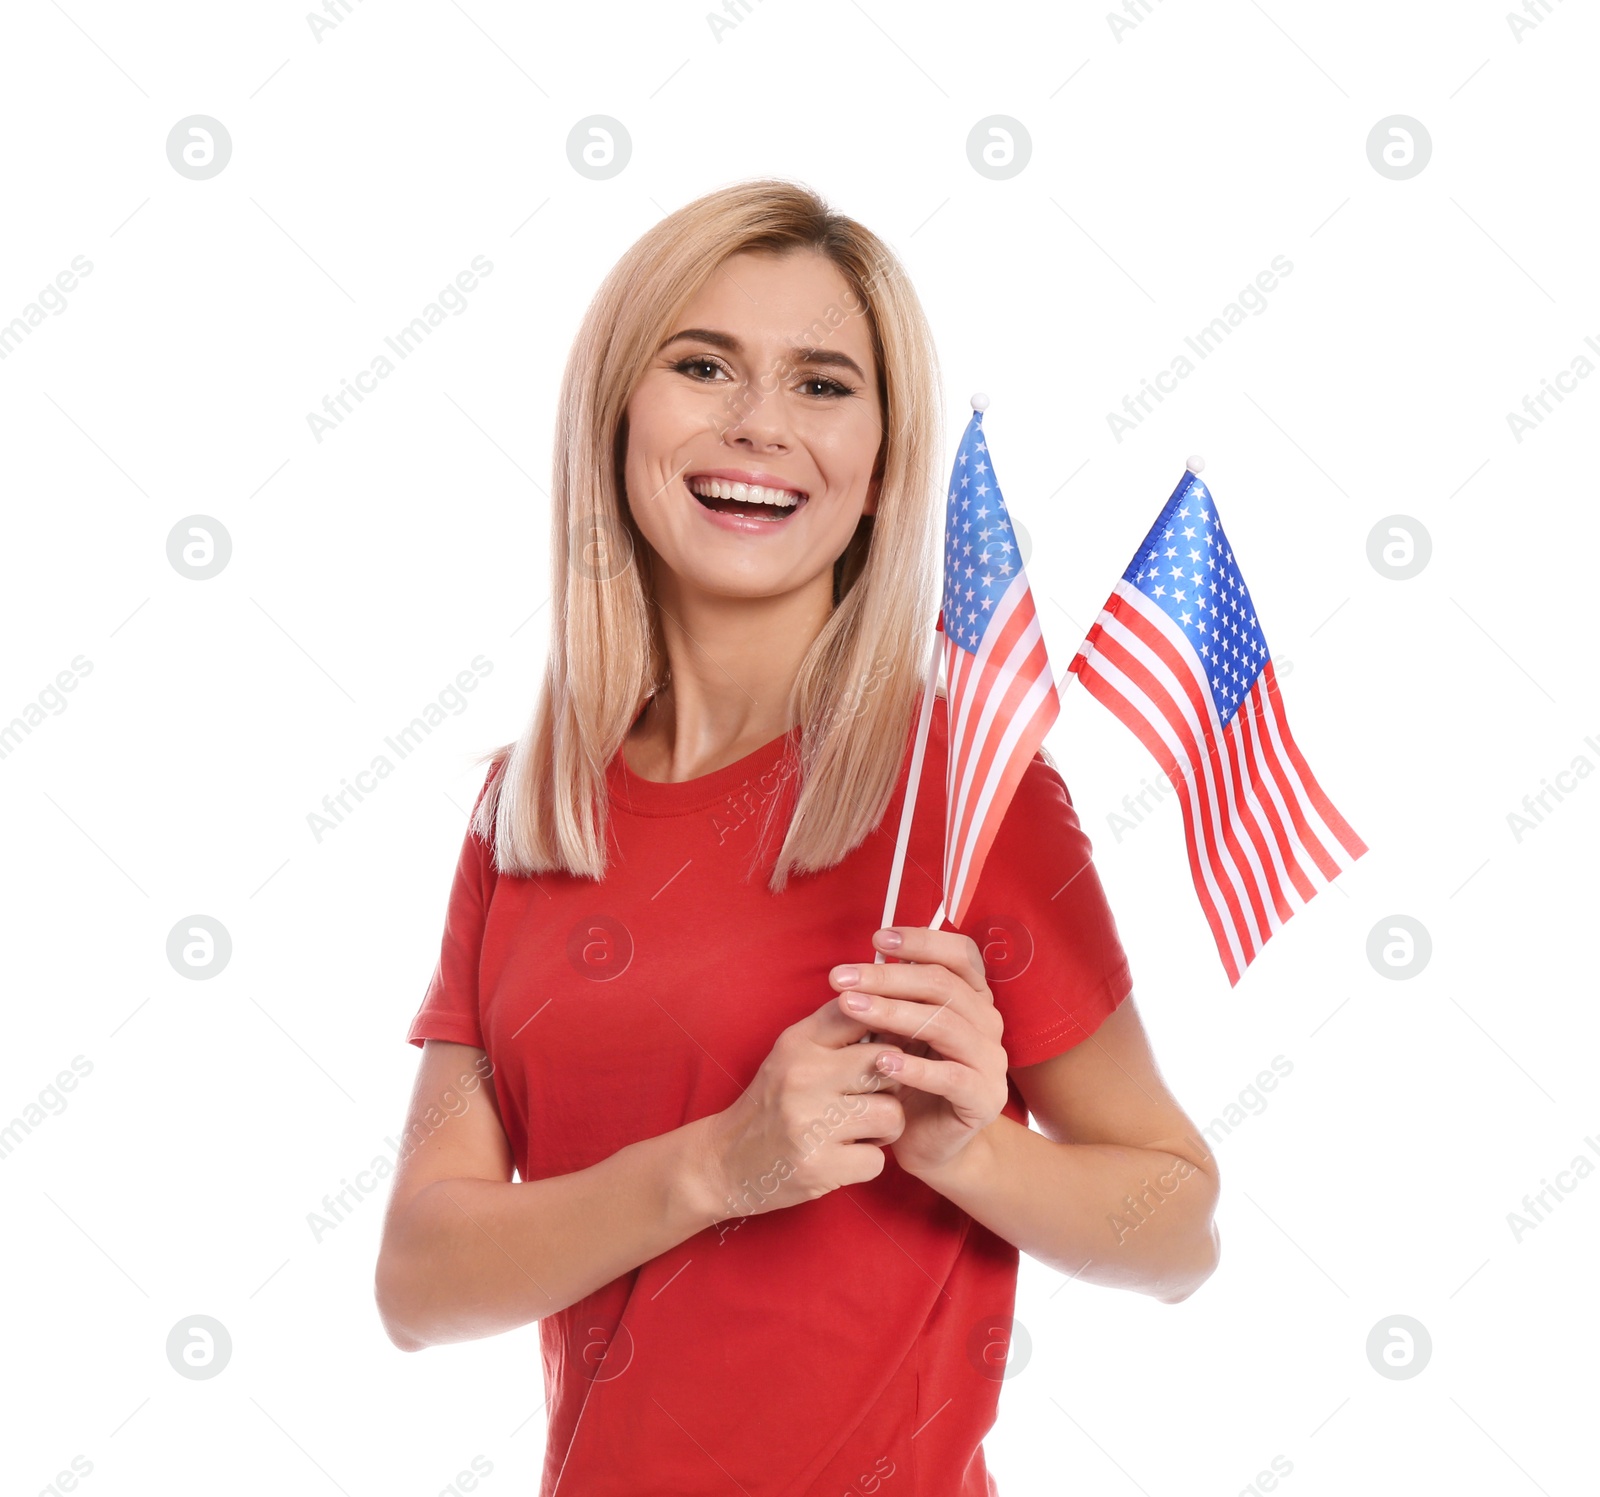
(1119, 1188)
(468, 1252)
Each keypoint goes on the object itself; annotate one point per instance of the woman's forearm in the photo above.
(1130, 1218)
(468, 1258)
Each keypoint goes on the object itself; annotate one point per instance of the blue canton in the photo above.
(1187, 567)
(981, 559)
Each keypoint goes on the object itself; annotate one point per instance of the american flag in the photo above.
(1000, 693)
(1178, 654)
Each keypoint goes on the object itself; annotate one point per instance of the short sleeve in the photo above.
(1039, 916)
(450, 1006)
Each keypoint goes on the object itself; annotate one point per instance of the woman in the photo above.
(762, 1257)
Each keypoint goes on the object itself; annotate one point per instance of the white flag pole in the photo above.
(908, 809)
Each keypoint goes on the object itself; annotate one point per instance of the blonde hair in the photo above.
(858, 687)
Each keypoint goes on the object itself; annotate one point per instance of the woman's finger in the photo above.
(942, 1027)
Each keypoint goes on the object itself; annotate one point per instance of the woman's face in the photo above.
(733, 392)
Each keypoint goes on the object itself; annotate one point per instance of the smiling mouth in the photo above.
(750, 501)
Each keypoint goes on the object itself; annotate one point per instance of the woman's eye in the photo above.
(817, 384)
(830, 386)
(683, 366)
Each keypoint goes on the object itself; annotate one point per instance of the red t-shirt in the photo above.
(851, 1344)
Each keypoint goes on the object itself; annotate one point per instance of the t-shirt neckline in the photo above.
(679, 797)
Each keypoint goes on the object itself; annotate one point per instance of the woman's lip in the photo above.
(742, 524)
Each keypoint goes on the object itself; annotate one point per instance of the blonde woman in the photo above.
(765, 1256)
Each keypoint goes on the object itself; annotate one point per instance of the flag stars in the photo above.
(1185, 556)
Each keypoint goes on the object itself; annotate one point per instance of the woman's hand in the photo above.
(936, 1002)
(816, 1116)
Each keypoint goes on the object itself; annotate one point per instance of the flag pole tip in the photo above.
(980, 402)
(1196, 464)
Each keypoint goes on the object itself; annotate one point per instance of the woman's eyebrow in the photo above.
(729, 344)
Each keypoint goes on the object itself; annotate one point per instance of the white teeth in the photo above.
(751, 493)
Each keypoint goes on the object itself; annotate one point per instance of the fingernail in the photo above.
(890, 940)
(890, 1062)
(846, 977)
(860, 1002)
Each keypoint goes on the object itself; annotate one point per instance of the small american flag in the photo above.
(1000, 693)
(1178, 655)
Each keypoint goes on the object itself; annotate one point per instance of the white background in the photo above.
(1168, 167)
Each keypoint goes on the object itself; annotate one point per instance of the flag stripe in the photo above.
(1016, 691)
(1331, 819)
(973, 681)
(1013, 693)
(1312, 855)
(1218, 826)
(1104, 682)
(1272, 804)
(1289, 790)
(1178, 756)
(1244, 798)
(1158, 632)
